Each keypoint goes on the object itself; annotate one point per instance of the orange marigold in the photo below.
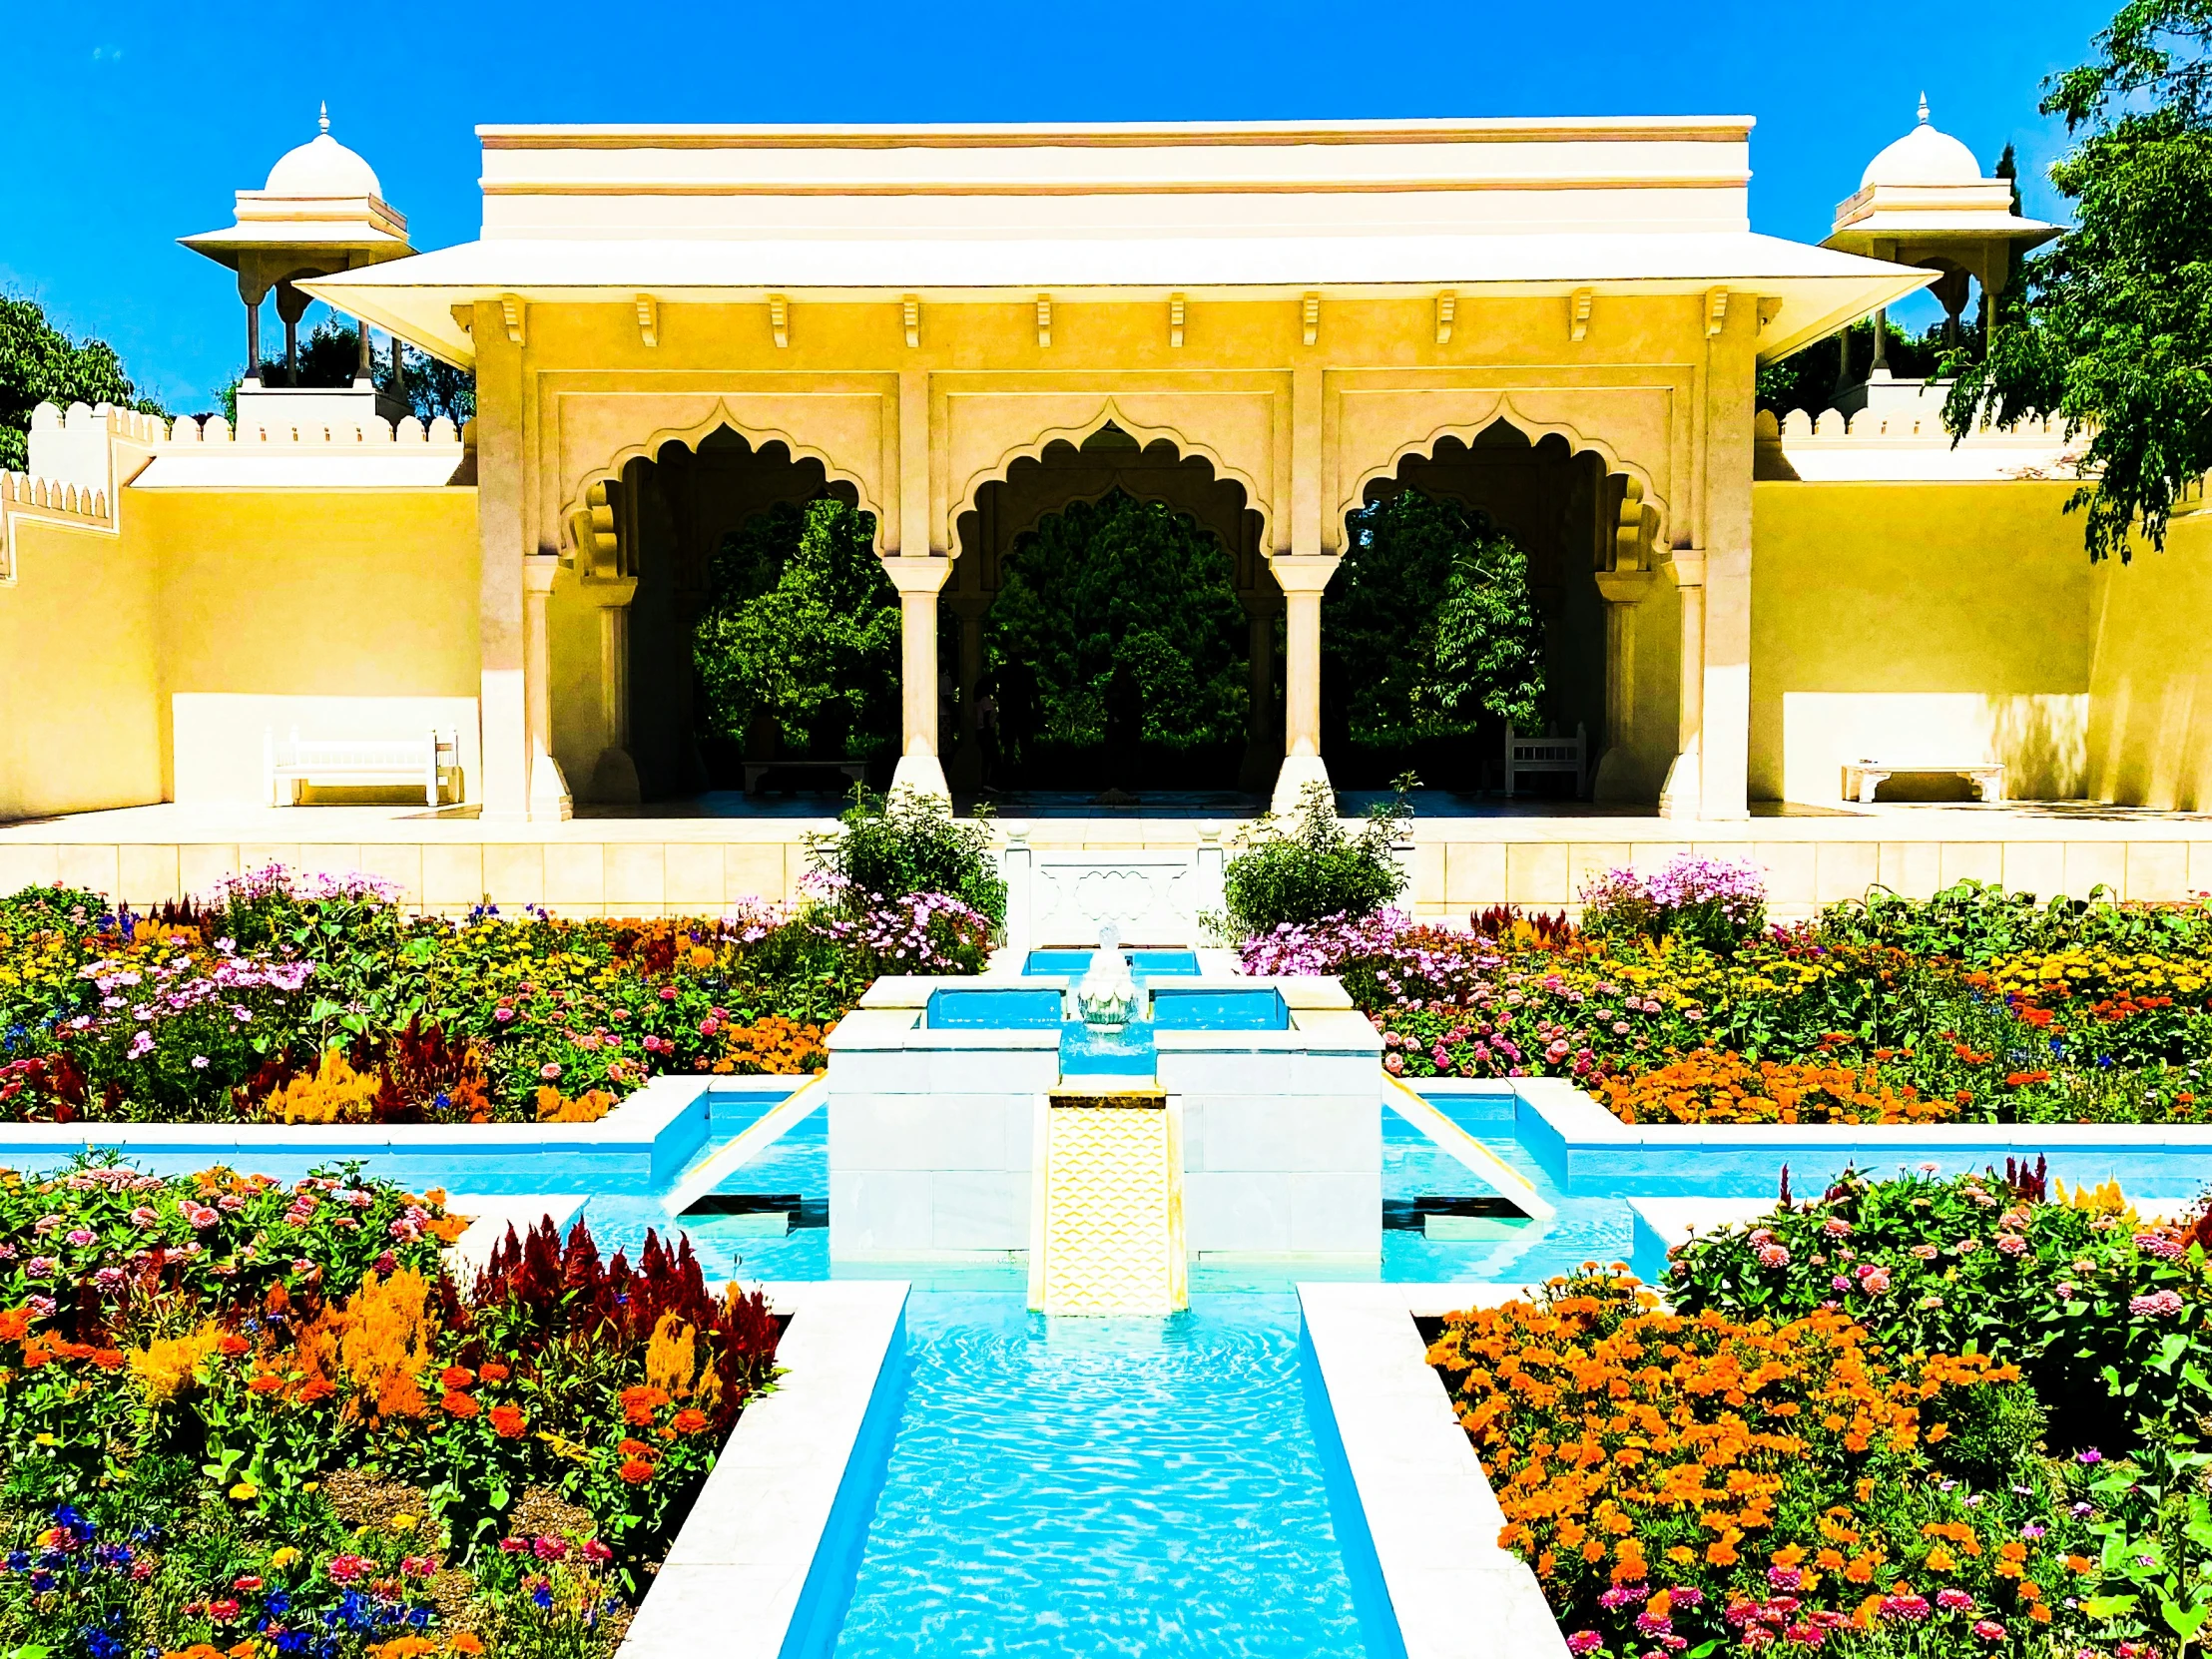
(459, 1405)
(688, 1421)
(639, 1404)
(508, 1423)
(636, 1470)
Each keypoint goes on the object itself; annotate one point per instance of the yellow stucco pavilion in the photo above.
(669, 327)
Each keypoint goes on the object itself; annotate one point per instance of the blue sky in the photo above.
(132, 125)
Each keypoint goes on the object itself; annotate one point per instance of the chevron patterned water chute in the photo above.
(1109, 1219)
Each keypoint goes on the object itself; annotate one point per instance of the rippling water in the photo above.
(1102, 1486)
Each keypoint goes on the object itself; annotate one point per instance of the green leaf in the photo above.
(2108, 1607)
(2184, 1621)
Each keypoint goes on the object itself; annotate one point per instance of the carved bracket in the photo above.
(1175, 321)
(909, 311)
(1716, 313)
(513, 312)
(1578, 314)
(1310, 312)
(1448, 308)
(1044, 319)
(649, 320)
(780, 319)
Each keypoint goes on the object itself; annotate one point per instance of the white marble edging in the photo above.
(763, 1563)
(1426, 1522)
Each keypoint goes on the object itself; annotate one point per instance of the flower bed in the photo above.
(1673, 1002)
(250, 1419)
(1914, 1417)
(295, 999)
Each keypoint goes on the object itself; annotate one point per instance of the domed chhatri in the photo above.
(322, 167)
(1923, 155)
(323, 211)
(1924, 201)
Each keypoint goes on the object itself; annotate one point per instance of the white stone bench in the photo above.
(1531, 754)
(287, 762)
(1863, 777)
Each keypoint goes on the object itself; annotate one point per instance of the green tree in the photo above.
(2113, 334)
(1430, 622)
(1125, 583)
(1806, 380)
(800, 630)
(41, 364)
(330, 353)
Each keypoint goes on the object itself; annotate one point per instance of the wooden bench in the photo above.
(1534, 755)
(854, 771)
(1863, 777)
(427, 761)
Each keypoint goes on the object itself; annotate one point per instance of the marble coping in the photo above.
(764, 1565)
(1413, 1511)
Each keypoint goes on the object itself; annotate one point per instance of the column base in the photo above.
(550, 802)
(1679, 795)
(614, 778)
(923, 773)
(1299, 771)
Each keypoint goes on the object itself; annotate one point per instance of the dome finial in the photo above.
(324, 118)
(1923, 111)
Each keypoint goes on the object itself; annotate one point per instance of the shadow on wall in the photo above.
(2150, 738)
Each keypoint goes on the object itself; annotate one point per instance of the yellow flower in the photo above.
(403, 1523)
(245, 1491)
(284, 1557)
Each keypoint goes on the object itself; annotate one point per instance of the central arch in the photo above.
(1108, 479)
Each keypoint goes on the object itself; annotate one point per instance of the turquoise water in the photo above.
(1115, 1487)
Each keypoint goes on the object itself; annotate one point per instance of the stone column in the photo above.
(1302, 577)
(364, 366)
(1724, 726)
(252, 342)
(292, 305)
(918, 582)
(502, 532)
(614, 775)
(1679, 798)
(550, 800)
(1617, 777)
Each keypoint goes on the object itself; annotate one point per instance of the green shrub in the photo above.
(1312, 870)
(908, 843)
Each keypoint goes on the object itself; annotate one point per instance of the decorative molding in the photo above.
(1310, 315)
(1108, 409)
(716, 410)
(780, 319)
(514, 310)
(1716, 313)
(1448, 309)
(909, 313)
(1470, 421)
(649, 320)
(1578, 314)
(1044, 319)
(1175, 322)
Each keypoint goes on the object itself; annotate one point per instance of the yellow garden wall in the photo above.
(2150, 721)
(1920, 622)
(78, 716)
(349, 613)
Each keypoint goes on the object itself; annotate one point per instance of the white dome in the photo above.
(1923, 157)
(322, 167)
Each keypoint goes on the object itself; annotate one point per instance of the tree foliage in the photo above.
(1309, 870)
(330, 355)
(41, 364)
(1128, 584)
(1806, 380)
(1430, 622)
(2113, 333)
(801, 629)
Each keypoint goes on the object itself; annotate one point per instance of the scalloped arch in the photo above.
(1534, 430)
(1109, 414)
(754, 433)
(1042, 513)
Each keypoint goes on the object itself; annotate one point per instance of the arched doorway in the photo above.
(1111, 626)
(1537, 524)
(699, 530)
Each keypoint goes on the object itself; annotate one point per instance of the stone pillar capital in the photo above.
(1626, 587)
(924, 575)
(539, 572)
(1687, 569)
(1304, 572)
(609, 592)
